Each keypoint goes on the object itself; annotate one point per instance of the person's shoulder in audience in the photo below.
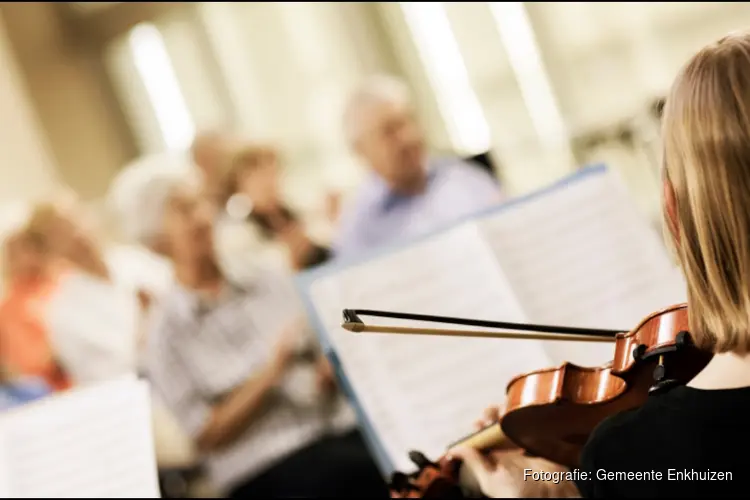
(466, 173)
(356, 213)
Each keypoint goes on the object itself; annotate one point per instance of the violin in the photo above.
(550, 413)
(445, 478)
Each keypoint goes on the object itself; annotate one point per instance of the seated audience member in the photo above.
(90, 320)
(407, 193)
(252, 200)
(244, 381)
(32, 276)
(16, 391)
(66, 229)
(152, 276)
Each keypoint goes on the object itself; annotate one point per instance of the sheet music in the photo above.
(94, 442)
(596, 263)
(425, 392)
(93, 326)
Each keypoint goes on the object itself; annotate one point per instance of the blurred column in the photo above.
(196, 68)
(27, 169)
(150, 90)
(606, 66)
(508, 76)
(289, 68)
(646, 55)
(446, 70)
(223, 23)
(586, 48)
(415, 41)
(327, 54)
(537, 91)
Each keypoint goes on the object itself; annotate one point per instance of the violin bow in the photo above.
(353, 323)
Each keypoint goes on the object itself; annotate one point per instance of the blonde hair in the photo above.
(706, 134)
(242, 158)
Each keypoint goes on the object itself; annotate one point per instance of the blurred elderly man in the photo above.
(407, 193)
(232, 362)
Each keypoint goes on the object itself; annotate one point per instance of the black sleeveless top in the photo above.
(683, 443)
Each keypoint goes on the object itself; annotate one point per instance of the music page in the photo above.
(582, 255)
(424, 392)
(94, 442)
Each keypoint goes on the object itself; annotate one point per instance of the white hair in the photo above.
(377, 90)
(139, 194)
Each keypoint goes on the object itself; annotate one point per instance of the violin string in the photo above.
(352, 314)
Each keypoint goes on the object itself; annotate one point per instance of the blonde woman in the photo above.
(32, 279)
(251, 198)
(691, 440)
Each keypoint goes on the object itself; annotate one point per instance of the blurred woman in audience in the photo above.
(251, 196)
(32, 275)
(67, 233)
(64, 319)
(245, 381)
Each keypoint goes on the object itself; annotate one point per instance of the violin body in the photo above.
(446, 478)
(551, 413)
(432, 480)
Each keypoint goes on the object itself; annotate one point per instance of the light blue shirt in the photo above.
(22, 391)
(379, 216)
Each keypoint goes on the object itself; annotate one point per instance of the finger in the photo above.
(479, 425)
(492, 414)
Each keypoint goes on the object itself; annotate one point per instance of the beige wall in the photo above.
(281, 72)
(67, 83)
(27, 169)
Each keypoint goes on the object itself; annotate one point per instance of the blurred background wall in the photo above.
(543, 87)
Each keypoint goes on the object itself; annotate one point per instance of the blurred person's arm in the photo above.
(309, 341)
(304, 252)
(229, 418)
(212, 426)
(325, 375)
